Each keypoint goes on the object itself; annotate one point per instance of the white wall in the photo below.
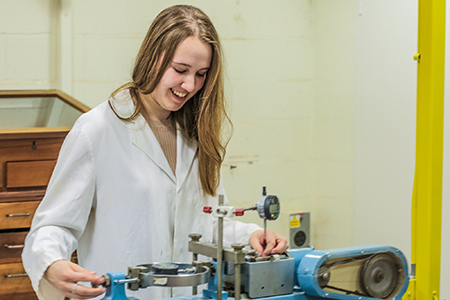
(333, 137)
(385, 113)
(365, 106)
(28, 44)
(365, 98)
(270, 70)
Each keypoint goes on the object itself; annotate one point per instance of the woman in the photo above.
(134, 173)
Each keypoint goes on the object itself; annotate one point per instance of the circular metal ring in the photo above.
(379, 276)
(323, 276)
(74, 288)
(190, 278)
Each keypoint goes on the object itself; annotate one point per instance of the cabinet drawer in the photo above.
(17, 214)
(11, 246)
(14, 280)
(27, 150)
(29, 173)
(30, 149)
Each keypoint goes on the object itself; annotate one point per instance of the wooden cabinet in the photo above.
(33, 125)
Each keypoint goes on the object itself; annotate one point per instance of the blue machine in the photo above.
(359, 273)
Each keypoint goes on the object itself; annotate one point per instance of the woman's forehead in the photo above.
(194, 53)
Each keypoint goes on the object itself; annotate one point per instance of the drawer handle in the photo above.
(16, 275)
(17, 215)
(13, 246)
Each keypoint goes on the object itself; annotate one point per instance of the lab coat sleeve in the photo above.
(62, 215)
(234, 231)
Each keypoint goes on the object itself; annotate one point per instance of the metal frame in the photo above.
(427, 192)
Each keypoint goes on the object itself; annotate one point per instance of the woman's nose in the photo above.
(189, 83)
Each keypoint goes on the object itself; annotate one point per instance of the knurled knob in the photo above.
(195, 237)
(237, 246)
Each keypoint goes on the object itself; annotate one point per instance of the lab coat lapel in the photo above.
(142, 135)
(146, 141)
(186, 151)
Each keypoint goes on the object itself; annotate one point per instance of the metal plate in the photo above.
(268, 278)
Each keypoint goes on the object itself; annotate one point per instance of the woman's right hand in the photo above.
(64, 276)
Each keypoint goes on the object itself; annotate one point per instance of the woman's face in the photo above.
(184, 77)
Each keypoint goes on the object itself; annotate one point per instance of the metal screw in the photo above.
(237, 246)
(195, 237)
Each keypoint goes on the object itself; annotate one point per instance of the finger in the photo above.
(281, 246)
(82, 292)
(77, 268)
(70, 272)
(81, 274)
(269, 247)
(100, 280)
(256, 245)
(255, 241)
(85, 277)
(90, 292)
(270, 241)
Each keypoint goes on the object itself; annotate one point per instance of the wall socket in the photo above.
(299, 228)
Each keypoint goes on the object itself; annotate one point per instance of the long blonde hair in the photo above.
(202, 117)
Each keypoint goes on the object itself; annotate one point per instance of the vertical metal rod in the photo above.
(237, 272)
(237, 281)
(220, 253)
(195, 237)
(265, 227)
(194, 288)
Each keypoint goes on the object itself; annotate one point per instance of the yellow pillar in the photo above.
(427, 194)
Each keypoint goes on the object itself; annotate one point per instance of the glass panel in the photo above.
(36, 112)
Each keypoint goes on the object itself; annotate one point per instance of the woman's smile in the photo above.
(179, 95)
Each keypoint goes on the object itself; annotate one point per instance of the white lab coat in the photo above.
(114, 198)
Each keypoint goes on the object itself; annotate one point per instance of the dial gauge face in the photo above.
(269, 207)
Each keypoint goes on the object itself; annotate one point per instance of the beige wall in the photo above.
(333, 136)
(28, 44)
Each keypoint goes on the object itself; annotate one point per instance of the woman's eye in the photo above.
(201, 74)
(179, 71)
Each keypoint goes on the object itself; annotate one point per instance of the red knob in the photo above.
(207, 209)
(239, 212)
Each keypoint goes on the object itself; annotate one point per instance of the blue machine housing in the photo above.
(309, 263)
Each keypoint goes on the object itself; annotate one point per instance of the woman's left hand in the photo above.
(272, 243)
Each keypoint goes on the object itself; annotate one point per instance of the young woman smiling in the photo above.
(134, 173)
